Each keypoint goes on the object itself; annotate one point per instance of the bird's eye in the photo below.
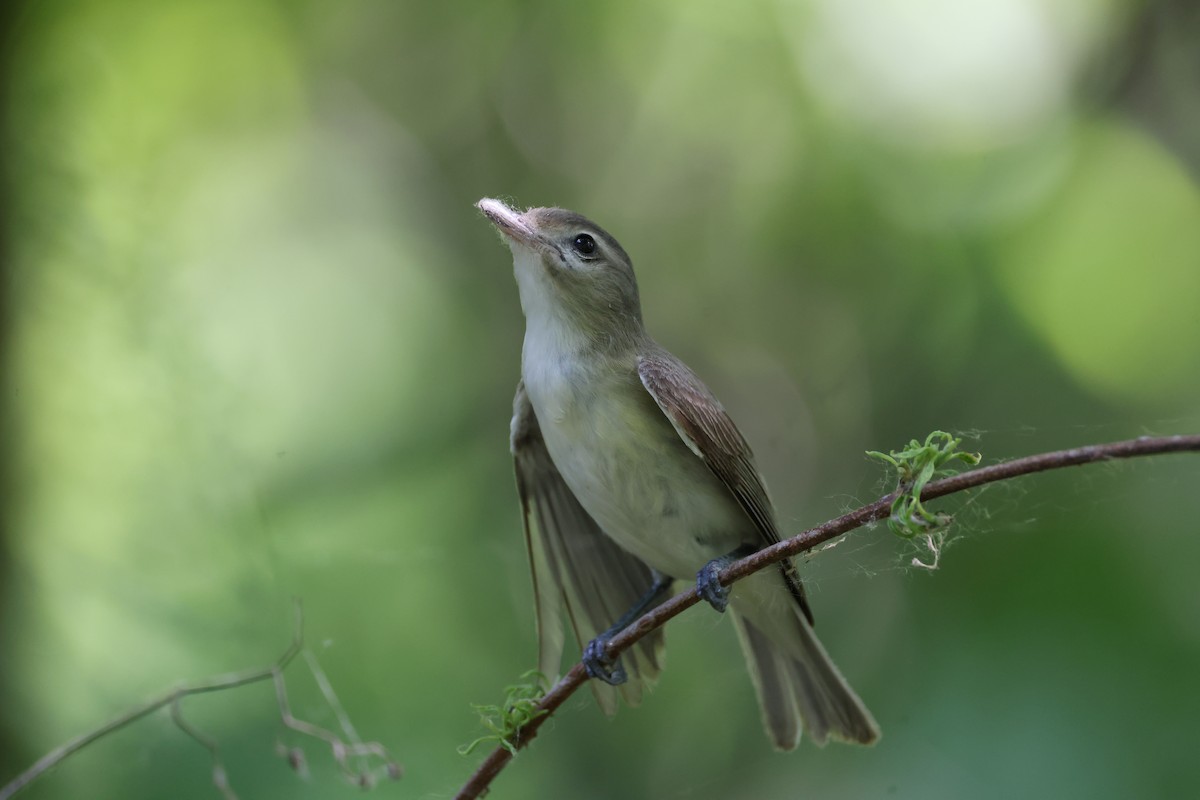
(584, 244)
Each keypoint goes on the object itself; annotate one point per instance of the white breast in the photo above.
(625, 463)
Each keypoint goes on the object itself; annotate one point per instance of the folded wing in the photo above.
(575, 566)
(702, 423)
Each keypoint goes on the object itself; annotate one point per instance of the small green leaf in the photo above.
(915, 466)
(519, 709)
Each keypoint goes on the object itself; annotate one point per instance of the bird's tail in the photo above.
(797, 683)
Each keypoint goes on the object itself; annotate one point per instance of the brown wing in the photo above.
(708, 431)
(575, 565)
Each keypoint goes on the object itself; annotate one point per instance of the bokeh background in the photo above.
(258, 344)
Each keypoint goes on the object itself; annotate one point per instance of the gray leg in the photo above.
(707, 585)
(595, 655)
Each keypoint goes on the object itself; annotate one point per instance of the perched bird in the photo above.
(631, 475)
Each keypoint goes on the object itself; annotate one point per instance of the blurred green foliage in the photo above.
(258, 343)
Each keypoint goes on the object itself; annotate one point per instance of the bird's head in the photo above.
(570, 272)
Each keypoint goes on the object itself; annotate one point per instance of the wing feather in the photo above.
(575, 566)
(711, 434)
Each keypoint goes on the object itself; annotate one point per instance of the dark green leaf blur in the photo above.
(257, 343)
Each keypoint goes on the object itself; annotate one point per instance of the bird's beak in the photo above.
(510, 223)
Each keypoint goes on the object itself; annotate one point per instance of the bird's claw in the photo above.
(709, 587)
(599, 665)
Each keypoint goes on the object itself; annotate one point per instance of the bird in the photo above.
(632, 476)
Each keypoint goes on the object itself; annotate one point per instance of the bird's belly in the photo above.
(633, 474)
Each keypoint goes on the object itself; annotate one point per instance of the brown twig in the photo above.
(171, 698)
(566, 686)
(341, 749)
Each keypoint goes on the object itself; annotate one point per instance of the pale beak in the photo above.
(509, 222)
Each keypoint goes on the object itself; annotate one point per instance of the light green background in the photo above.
(260, 344)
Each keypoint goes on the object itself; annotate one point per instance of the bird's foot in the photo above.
(708, 584)
(599, 665)
(709, 587)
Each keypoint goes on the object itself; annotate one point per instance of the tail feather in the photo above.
(798, 685)
(769, 672)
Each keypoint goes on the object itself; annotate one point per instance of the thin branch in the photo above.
(219, 776)
(341, 750)
(499, 758)
(365, 776)
(219, 683)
